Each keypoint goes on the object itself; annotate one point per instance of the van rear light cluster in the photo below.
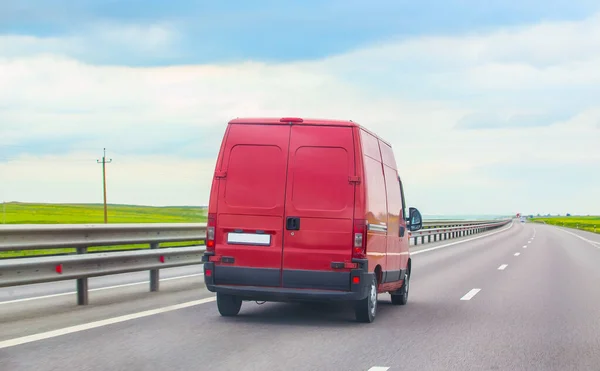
(210, 232)
(359, 248)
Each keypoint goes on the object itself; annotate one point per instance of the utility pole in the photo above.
(104, 162)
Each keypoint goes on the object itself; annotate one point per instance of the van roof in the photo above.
(279, 121)
(308, 121)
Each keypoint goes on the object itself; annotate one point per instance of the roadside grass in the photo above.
(38, 213)
(586, 223)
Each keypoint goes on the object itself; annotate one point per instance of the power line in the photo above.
(104, 162)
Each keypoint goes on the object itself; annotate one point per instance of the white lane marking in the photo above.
(378, 368)
(517, 253)
(524, 246)
(469, 295)
(502, 267)
(97, 289)
(458, 242)
(593, 243)
(104, 322)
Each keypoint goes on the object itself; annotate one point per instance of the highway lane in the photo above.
(540, 312)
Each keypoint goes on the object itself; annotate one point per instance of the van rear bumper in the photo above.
(282, 294)
(309, 292)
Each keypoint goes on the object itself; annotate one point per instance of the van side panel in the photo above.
(320, 196)
(376, 202)
(396, 251)
(251, 200)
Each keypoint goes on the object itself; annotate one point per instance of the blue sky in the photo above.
(489, 97)
(233, 31)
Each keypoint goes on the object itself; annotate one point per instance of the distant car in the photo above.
(307, 210)
(522, 219)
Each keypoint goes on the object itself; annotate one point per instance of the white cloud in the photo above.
(414, 93)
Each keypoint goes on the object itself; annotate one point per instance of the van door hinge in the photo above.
(220, 174)
(354, 179)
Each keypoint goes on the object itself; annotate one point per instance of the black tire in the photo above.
(229, 305)
(366, 309)
(400, 297)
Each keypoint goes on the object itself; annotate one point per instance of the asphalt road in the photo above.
(485, 304)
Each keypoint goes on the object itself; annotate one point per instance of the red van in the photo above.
(307, 210)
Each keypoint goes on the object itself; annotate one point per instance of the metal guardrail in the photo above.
(445, 233)
(22, 271)
(48, 236)
(82, 265)
(430, 224)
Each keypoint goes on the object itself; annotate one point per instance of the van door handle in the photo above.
(402, 229)
(292, 223)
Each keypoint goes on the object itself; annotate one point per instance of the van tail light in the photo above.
(359, 248)
(210, 232)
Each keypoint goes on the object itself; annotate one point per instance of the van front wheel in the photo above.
(228, 305)
(366, 309)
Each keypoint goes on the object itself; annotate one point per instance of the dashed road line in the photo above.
(502, 267)
(517, 253)
(469, 295)
(378, 368)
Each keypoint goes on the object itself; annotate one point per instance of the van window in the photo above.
(256, 176)
(393, 196)
(320, 179)
(403, 200)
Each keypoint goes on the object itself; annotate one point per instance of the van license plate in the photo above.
(249, 239)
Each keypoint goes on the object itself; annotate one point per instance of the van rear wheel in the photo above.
(228, 305)
(400, 297)
(366, 309)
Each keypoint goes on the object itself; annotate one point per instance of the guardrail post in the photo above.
(154, 275)
(82, 284)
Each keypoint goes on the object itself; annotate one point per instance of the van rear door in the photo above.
(319, 207)
(249, 222)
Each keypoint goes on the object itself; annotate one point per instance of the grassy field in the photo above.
(587, 223)
(31, 213)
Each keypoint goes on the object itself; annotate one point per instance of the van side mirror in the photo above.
(415, 222)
